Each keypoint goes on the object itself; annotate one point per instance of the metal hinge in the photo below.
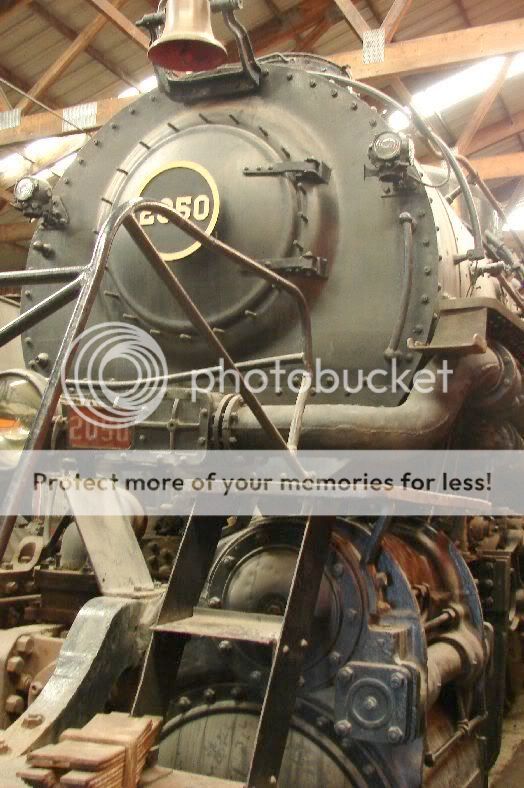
(308, 170)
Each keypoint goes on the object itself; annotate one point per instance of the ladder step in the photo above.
(227, 625)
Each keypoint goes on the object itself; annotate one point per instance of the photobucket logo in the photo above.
(91, 379)
(326, 381)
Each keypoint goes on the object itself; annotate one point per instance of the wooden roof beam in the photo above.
(45, 124)
(68, 32)
(483, 107)
(394, 17)
(437, 51)
(117, 18)
(507, 165)
(70, 54)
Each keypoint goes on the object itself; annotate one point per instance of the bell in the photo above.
(187, 42)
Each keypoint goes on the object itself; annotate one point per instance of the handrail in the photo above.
(88, 283)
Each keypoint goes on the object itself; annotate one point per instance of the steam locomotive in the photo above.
(384, 656)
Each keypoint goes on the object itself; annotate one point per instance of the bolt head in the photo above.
(25, 644)
(15, 704)
(394, 734)
(342, 728)
(345, 676)
(397, 680)
(225, 646)
(32, 720)
(215, 602)
(15, 665)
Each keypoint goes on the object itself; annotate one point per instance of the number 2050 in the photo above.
(198, 208)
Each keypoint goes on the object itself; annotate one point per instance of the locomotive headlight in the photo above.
(391, 153)
(25, 189)
(387, 146)
(20, 396)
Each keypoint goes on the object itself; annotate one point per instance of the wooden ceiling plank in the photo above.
(517, 197)
(507, 165)
(483, 107)
(437, 51)
(496, 132)
(111, 13)
(314, 35)
(5, 16)
(54, 72)
(61, 27)
(394, 17)
(273, 33)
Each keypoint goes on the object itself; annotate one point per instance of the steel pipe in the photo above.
(421, 422)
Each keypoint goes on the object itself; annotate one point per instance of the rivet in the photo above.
(345, 675)
(289, 77)
(210, 695)
(425, 299)
(114, 126)
(312, 84)
(354, 106)
(421, 214)
(132, 111)
(334, 93)
(285, 650)
(373, 122)
(225, 646)
(97, 143)
(427, 270)
(425, 242)
(184, 702)
(215, 602)
(397, 680)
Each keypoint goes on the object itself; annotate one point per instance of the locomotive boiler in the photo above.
(285, 221)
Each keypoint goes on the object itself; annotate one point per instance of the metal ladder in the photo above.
(82, 285)
(289, 635)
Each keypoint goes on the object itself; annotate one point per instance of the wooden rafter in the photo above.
(507, 165)
(497, 132)
(111, 13)
(436, 51)
(68, 32)
(70, 54)
(483, 107)
(45, 124)
(354, 17)
(394, 17)
(360, 26)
